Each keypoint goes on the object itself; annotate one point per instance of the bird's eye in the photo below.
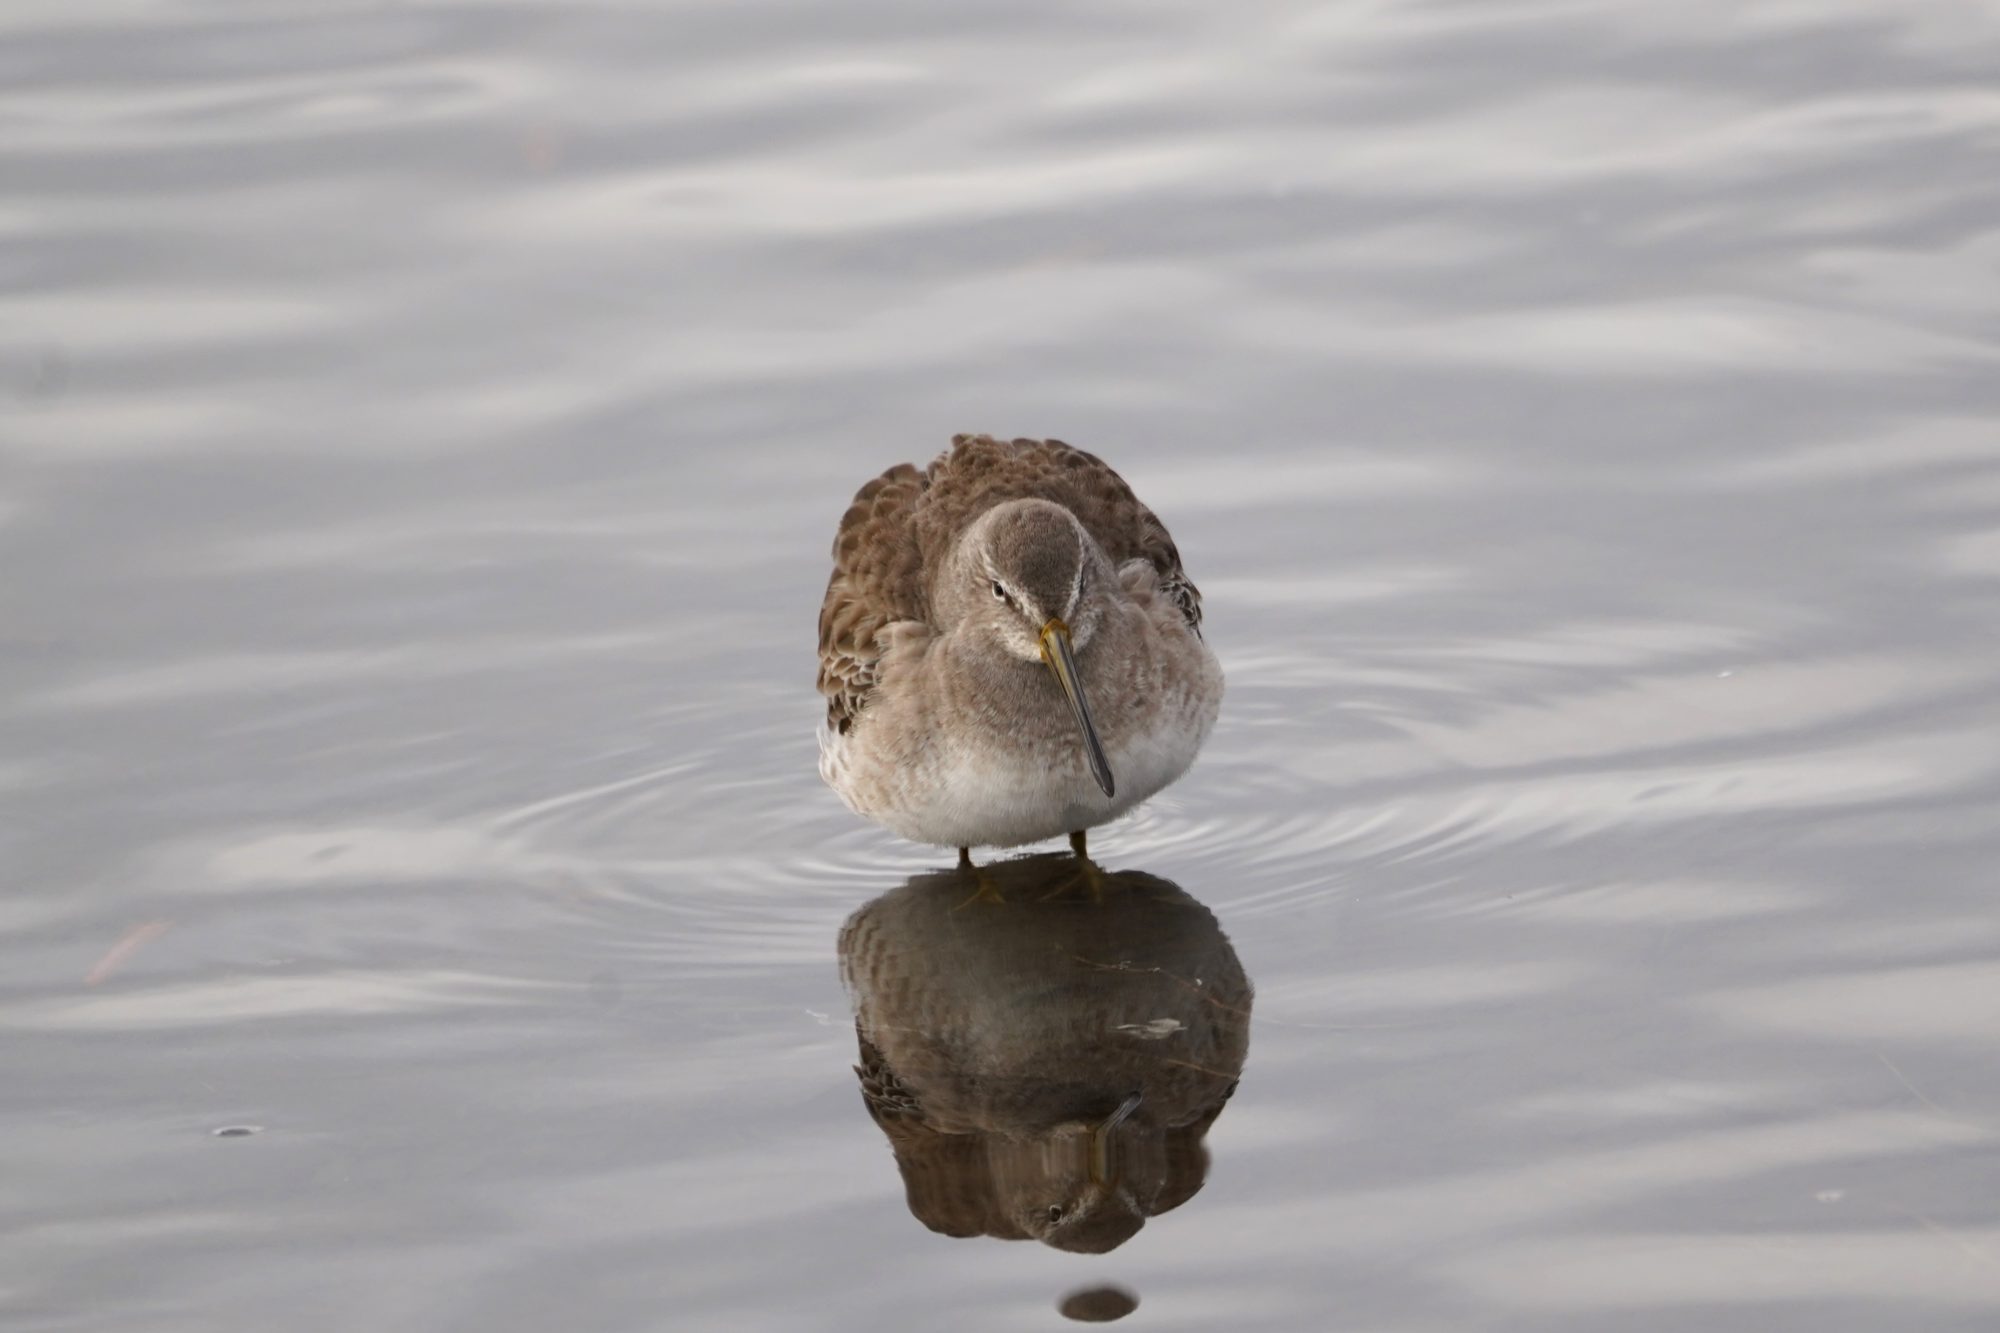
(1055, 1212)
(999, 591)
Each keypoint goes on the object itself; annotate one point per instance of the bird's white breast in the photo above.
(949, 787)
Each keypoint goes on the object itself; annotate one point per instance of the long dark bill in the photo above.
(1101, 1165)
(1056, 651)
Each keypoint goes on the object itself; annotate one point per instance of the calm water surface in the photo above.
(421, 429)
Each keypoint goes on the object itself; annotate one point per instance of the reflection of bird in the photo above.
(1009, 648)
(1045, 1067)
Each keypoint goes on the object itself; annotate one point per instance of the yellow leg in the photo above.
(986, 891)
(1088, 873)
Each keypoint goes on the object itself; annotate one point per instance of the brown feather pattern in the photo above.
(906, 522)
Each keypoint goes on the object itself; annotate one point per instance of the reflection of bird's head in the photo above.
(1068, 1188)
(1095, 1222)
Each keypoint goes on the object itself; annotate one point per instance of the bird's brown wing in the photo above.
(979, 472)
(1187, 1157)
(885, 1094)
(877, 580)
(946, 1180)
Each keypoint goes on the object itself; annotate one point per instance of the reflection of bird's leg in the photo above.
(1088, 873)
(987, 891)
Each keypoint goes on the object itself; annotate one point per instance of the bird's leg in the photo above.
(1088, 873)
(986, 890)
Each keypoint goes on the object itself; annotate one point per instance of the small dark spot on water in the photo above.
(237, 1131)
(1098, 1305)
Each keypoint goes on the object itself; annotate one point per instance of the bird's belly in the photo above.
(971, 792)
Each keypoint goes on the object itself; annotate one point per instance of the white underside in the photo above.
(992, 800)
(965, 795)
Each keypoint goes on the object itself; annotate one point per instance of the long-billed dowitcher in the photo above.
(1009, 649)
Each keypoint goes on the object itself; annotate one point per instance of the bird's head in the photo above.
(1033, 581)
(1069, 1190)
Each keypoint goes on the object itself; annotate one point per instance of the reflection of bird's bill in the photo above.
(1100, 1141)
(1061, 657)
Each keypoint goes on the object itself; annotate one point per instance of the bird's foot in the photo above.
(1090, 877)
(985, 890)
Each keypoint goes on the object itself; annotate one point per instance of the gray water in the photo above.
(422, 426)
